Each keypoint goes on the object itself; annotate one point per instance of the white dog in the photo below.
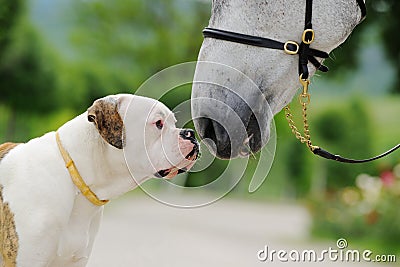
(53, 188)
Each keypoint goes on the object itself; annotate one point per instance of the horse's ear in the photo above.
(105, 116)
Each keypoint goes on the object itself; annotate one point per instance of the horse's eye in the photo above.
(159, 124)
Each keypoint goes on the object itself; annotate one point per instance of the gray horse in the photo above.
(238, 88)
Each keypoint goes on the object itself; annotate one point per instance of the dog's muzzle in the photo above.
(190, 158)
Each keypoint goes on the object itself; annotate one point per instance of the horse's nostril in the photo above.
(214, 131)
(254, 134)
(209, 131)
(226, 141)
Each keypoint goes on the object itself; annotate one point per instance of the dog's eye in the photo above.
(159, 124)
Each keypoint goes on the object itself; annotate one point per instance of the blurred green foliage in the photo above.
(9, 14)
(347, 131)
(382, 16)
(118, 45)
(135, 39)
(364, 212)
(27, 78)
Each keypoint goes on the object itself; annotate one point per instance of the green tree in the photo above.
(388, 12)
(137, 38)
(9, 14)
(299, 168)
(345, 131)
(27, 78)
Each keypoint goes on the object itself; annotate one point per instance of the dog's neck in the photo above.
(101, 166)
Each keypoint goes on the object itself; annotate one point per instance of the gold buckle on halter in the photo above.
(304, 36)
(291, 52)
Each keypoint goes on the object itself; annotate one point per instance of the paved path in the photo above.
(138, 231)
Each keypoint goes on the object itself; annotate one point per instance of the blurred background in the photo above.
(57, 56)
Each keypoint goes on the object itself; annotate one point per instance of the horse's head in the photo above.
(234, 101)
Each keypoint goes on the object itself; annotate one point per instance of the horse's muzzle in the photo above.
(227, 141)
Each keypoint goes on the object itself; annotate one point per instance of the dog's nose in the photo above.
(187, 134)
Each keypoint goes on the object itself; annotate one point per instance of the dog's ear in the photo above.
(104, 114)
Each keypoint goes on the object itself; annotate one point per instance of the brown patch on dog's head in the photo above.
(104, 114)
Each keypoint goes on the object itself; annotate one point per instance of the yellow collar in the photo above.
(76, 177)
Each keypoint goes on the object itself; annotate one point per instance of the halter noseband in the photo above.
(306, 55)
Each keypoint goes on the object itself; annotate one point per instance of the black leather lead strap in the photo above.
(327, 155)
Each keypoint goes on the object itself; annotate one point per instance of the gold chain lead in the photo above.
(304, 99)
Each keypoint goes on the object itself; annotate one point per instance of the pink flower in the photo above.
(387, 178)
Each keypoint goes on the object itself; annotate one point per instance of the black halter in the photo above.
(306, 54)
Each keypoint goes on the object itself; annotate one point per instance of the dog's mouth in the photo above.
(182, 167)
